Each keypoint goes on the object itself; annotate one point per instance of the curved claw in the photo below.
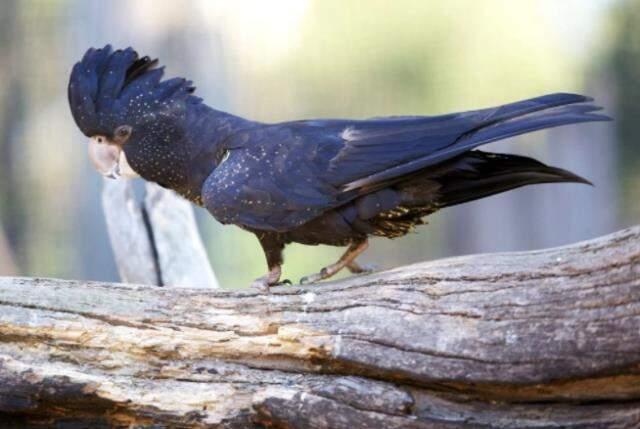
(263, 284)
(304, 280)
(311, 278)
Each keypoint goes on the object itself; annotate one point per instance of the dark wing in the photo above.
(378, 151)
(284, 175)
(272, 178)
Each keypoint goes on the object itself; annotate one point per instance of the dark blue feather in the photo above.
(110, 88)
(278, 177)
(445, 137)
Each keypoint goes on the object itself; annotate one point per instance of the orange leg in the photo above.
(347, 260)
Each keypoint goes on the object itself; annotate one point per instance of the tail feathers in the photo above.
(509, 111)
(479, 174)
(518, 125)
(480, 127)
(562, 115)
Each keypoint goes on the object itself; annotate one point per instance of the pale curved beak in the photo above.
(109, 159)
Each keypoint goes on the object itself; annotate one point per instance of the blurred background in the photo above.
(294, 59)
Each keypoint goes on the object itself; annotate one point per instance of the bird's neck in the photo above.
(181, 154)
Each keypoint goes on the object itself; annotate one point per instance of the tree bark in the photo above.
(537, 339)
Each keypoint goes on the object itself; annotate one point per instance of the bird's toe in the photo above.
(312, 278)
(260, 284)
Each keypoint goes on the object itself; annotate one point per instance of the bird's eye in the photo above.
(123, 132)
(99, 139)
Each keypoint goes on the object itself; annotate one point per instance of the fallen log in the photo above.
(548, 338)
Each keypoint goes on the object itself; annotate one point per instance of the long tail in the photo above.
(524, 117)
(477, 174)
(449, 136)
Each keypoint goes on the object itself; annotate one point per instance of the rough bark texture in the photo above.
(521, 340)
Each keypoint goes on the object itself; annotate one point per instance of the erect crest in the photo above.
(109, 88)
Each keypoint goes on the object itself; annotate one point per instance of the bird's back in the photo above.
(281, 176)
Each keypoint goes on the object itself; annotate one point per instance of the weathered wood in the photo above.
(521, 340)
(132, 246)
(181, 255)
(156, 241)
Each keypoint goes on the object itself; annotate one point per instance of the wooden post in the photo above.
(155, 242)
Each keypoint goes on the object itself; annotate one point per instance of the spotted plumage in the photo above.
(330, 181)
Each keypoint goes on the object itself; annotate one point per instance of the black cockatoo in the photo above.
(325, 181)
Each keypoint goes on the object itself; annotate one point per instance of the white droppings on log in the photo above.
(309, 297)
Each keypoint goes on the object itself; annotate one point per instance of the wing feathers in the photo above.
(426, 145)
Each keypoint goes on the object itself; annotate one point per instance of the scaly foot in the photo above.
(345, 261)
(272, 278)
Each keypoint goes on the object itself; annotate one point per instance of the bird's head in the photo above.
(116, 97)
